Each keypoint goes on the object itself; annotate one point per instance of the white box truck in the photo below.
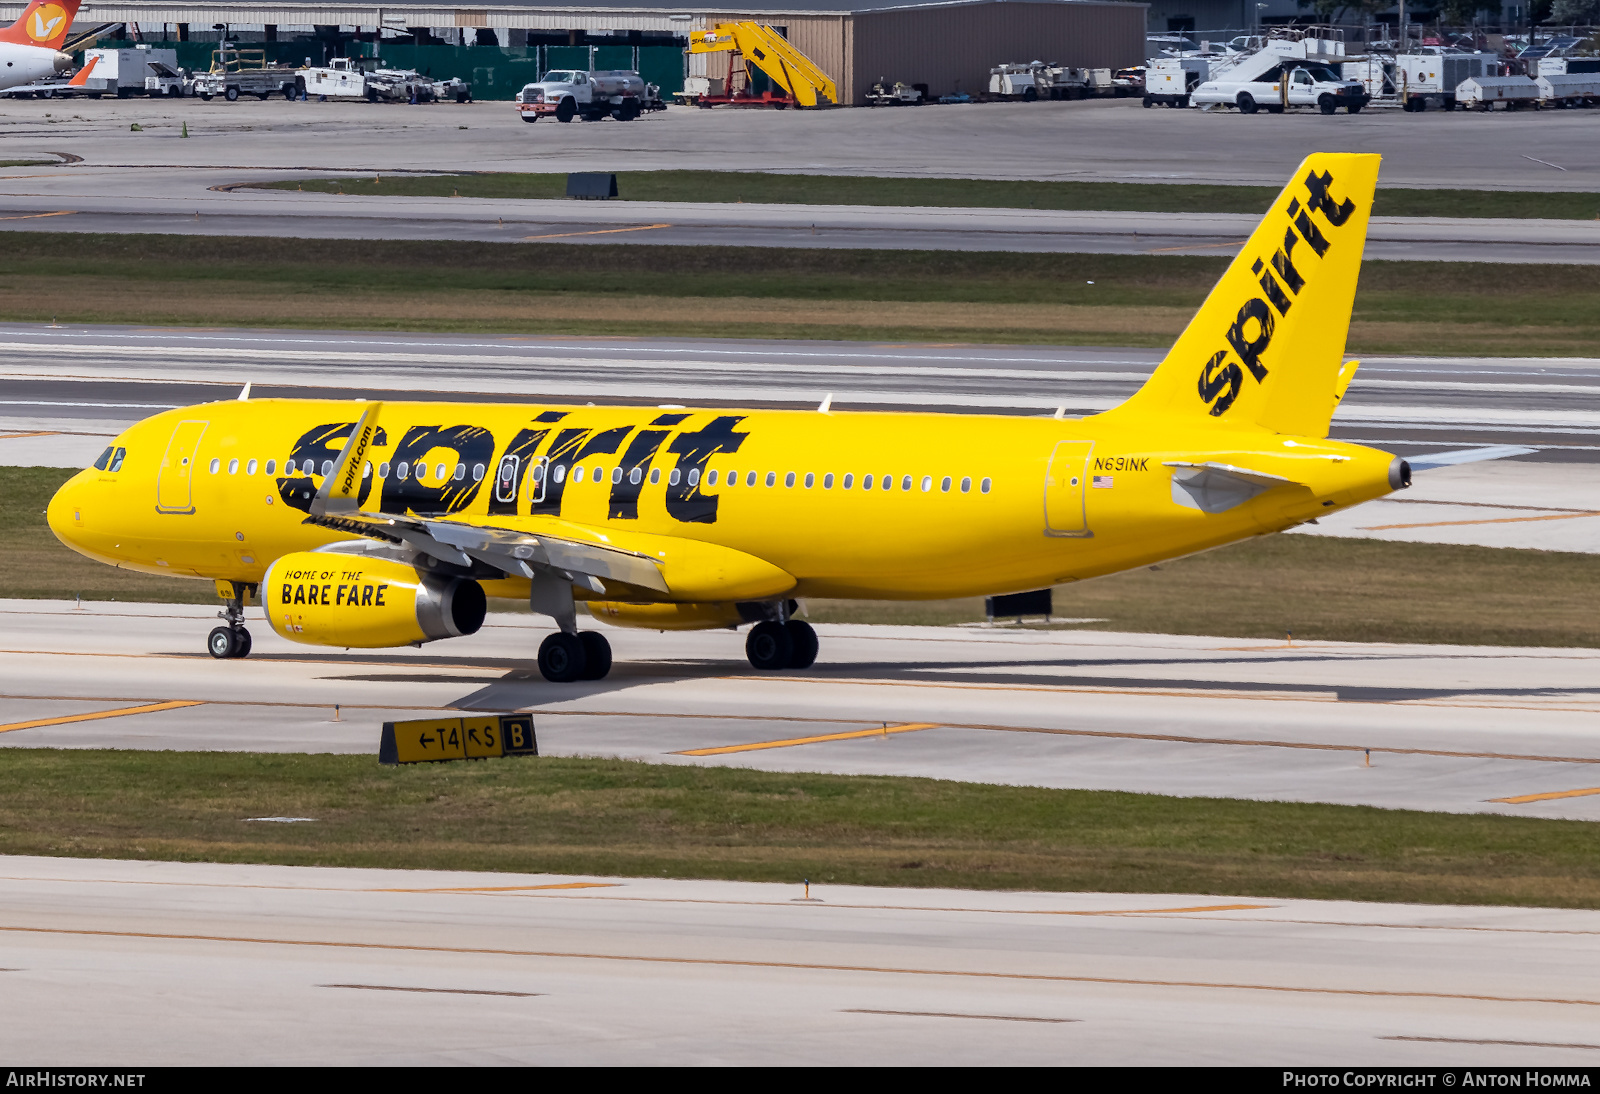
(1424, 78)
(126, 72)
(1170, 81)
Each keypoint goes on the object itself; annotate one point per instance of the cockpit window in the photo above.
(117, 458)
(105, 458)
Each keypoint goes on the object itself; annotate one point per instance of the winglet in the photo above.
(826, 404)
(1341, 382)
(341, 489)
(83, 73)
(244, 393)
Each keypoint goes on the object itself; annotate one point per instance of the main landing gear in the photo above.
(231, 640)
(773, 646)
(565, 657)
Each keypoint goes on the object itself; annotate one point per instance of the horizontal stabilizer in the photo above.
(1218, 487)
(1431, 460)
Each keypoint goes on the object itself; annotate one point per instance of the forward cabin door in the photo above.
(1064, 513)
(174, 484)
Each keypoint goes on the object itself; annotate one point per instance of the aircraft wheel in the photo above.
(241, 642)
(220, 642)
(561, 658)
(770, 646)
(805, 643)
(596, 655)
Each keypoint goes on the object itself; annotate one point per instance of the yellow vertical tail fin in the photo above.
(1266, 350)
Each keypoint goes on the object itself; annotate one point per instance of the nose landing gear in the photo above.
(232, 640)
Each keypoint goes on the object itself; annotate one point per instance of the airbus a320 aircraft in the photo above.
(366, 524)
(30, 47)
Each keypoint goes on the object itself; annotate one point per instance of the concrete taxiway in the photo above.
(194, 963)
(155, 181)
(1454, 729)
(200, 963)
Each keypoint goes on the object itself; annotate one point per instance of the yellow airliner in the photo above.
(367, 524)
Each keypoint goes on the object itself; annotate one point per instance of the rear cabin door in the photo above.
(174, 485)
(1064, 483)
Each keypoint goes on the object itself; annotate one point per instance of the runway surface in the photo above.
(1453, 729)
(191, 963)
(155, 181)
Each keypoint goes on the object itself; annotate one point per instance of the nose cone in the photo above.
(65, 512)
(61, 61)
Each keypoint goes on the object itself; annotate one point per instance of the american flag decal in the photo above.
(1102, 482)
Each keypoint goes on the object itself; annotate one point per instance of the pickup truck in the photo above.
(565, 94)
(1292, 83)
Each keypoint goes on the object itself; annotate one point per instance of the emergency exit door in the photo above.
(1064, 511)
(175, 483)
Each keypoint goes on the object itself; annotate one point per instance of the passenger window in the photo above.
(439, 472)
(577, 473)
(772, 478)
(849, 480)
(750, 479)
(966, 485)
(731, 478)
(810, 480)
(655, 475)
(788, 480)
(105, 458)
(827, 482)
(477, 472)
(905, 482)
(672, 479)
(636, 476)
(402, 471)
(216, 465)
(327, 466)
(694, 476)
(538, 472)
(984, 486)
(250, 468)
(561, 472)
(866, 482)
(944, 484)
(711, 478)
(272, 466)
(233, 467)
(461, 471)
(616, 475)
(116, 461)
(927, 483)
(383, 469)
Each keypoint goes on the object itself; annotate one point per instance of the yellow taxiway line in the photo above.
(37, 216)
(148, 708)
(600, 232)
(1524, 798)
(1492, 520)
(790, 742)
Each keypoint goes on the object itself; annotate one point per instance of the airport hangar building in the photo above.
(950, 45)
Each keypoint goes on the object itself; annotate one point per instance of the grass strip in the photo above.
(643, 290)
(621, 818)
(1143, 197)
(1315, 587)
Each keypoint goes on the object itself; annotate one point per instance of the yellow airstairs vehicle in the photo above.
(761, 47)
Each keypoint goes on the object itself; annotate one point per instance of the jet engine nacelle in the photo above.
(326, 599)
